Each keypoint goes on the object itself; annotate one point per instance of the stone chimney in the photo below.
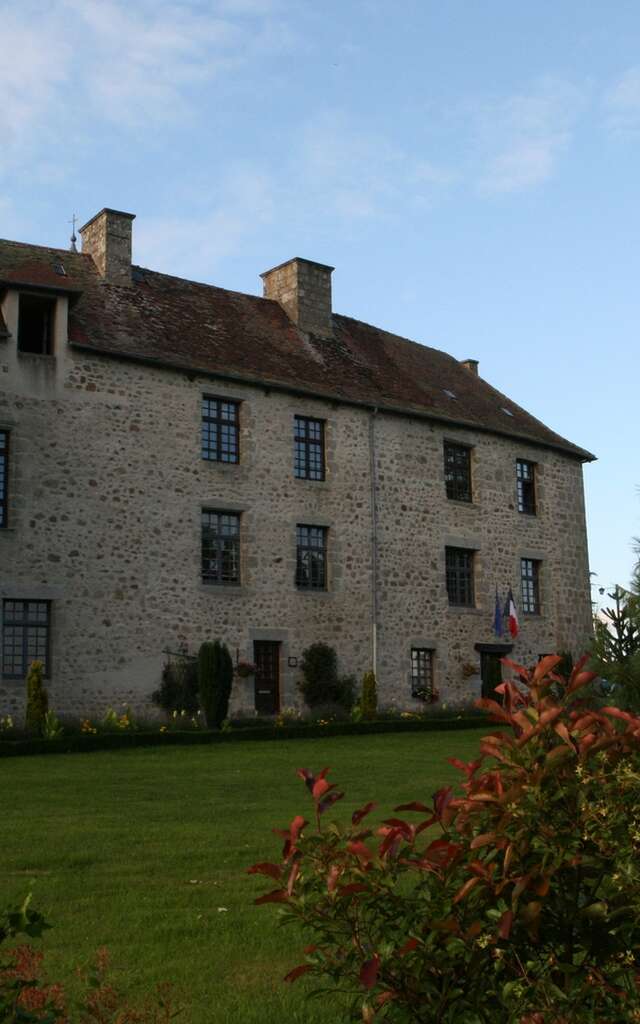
(471, 365)
(303, 289)
(107, 239)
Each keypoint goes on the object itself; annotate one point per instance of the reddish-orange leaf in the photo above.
(466, 889)
(362, 852)
(415, 806)
(320, 787)
(369, 971)
(353, 887)
(272, 870)
(277, 896)
(385, 997)
(408, 947)
(504, 924)
(482, 840)
(357, 816)
(297, 971)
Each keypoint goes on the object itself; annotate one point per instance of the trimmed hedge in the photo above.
(80, 742)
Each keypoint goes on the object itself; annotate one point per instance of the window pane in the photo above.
(25, 636)
(529, 573)
(525, 486)
(308, 439)
(220, 547)
(4, 475)
(311, 557)
(459, 570)
(457, 471)
(421, 673)
(220, 430)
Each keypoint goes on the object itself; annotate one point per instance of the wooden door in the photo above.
(266, 656)
(491, 674)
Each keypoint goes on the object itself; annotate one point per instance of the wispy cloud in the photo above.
(359, 173)
(195, 244)
(622, 104)
(74, 64)
(522, 137)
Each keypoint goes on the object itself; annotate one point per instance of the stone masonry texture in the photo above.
(106, 489)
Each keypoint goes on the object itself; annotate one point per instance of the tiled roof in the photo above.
(173, 322)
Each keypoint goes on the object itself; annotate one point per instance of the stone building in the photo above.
(179, 462)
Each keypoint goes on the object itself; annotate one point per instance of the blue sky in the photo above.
(470, 169)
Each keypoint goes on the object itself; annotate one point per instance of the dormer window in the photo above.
(35, 324)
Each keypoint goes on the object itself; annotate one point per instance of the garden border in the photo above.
(79, 743)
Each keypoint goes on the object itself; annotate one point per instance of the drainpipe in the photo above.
(374, 543)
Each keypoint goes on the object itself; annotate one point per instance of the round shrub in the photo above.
(524, 908)
(178, 690)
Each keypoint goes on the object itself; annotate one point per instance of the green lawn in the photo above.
(139, 850)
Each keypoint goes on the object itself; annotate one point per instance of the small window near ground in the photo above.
(220, 547)
(35, 325)
(25, 637)
(460, 582)
(530, 577)
(220, 430)
(457, 471)
(421, 673)
(308, 439)
(4, 479)
(311, 557)
(526, 487)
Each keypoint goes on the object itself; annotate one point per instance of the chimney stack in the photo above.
(107, 239)
(303, 289)
(471, 365)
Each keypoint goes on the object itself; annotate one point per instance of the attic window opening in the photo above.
(35, 325)
(507, 412)
(59, 269)
(449, 394)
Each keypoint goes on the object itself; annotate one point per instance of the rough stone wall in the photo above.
(108, 240)
(107, 486)
(303, 289)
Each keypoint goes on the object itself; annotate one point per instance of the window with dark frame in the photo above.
(308, 436)
(460, 584)
(4, 479)
(311, 557)
(457, 471)
(220, 429)
(36, 316)
(421, 673)
(25, 636)
(526, 486)
(220, 547)
(530, 580)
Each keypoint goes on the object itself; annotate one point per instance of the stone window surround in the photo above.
(535, 555)
(207, 395)
(23, 592)
(333, 569)
(10, 427)
(422, 645)
(457, 442)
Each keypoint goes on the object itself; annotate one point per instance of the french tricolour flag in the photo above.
(511, 615)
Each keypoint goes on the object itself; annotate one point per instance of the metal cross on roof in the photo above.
(73, 246)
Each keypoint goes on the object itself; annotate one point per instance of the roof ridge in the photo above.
(46, 248)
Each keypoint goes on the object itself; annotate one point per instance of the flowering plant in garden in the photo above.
(523, 908)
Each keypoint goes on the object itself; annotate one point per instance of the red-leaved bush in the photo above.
(523, 908)
(27, 996)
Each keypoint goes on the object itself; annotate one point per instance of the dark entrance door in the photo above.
(266, 656)
(491, 668)
(491, 675)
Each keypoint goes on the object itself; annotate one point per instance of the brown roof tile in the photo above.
(170, 321)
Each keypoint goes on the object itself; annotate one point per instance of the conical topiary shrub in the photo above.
(37, 699)
(215, 677)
